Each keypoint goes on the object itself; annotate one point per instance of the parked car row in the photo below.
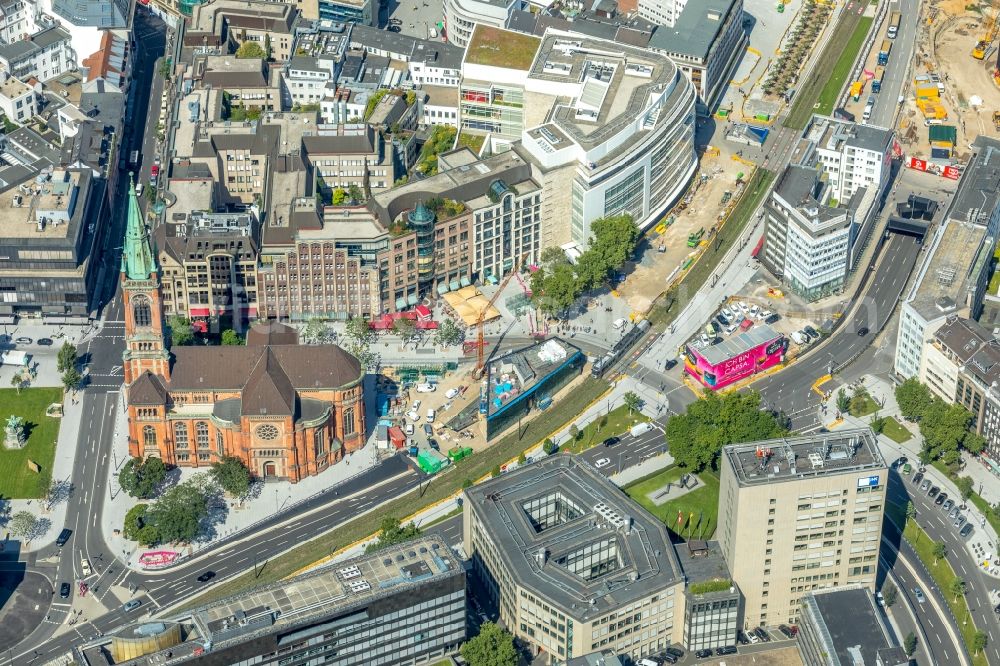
(737, 316)
(946, 504)
(805, 335)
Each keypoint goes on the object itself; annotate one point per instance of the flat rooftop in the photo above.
(702, 561)
(738, 343)
(543, 516)
(979, 189)
(44, 210)
(695, 29)
(853, 625)
(794, 458)
(519, 371)
(303, 600)
(496, 47)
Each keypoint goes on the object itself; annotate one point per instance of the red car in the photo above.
(153, 173)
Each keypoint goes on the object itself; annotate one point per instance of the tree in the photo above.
(911, 511)
(548, 447)
(404, 328)
(957, 588)
(231, 338)
(181, 333)
(614, 239)
(232, 475)
(939, 551)
(913, 399)
(140, 478)
(355, 193)
(910, 644)
(448, 333)
(267, 46)
(697, 436)
(522, 459)
(137, 528)
(877, 423)
(492, 647)
(574, 432)
(23, 524)
(974, 443)
(601, 422)
(468, 483)
(964, 484)
(943, 428)
(339, 197)
(358, 330)
(843, 401)
(56, 492)
(16, 381)
(495, 472)
(555, 290)
(165, 68)
(632, 401)
(315, 332)
(67, 357)
(179, 513)
(889, 594)
(391, 531)
(71, 379)
(979, 640)
(251, 50)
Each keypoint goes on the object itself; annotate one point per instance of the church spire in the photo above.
(138, 260)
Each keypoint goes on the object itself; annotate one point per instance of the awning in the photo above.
(465, 281)
(455, 285)
(426, 325)
(760, 244)
(412, 299)
(200, 312)
(200, 326)
(400, 303)
(443, 288)
(422, 311)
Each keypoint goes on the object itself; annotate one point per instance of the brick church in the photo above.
(288, 411)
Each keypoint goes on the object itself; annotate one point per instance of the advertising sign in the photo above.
(868, 481)
(760, 357)
(951, 172)
(918, 164)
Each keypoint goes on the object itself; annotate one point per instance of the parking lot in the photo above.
(416, 18)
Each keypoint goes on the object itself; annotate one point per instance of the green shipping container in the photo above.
(431, 461)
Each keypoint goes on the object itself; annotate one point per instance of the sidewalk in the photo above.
(985, 538)
(228, 518)
(51, 522)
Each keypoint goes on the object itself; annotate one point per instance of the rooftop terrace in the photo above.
(795, 458)
(501, 48)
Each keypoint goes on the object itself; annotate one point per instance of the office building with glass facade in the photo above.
(402, 605)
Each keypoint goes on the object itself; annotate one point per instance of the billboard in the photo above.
(762, 356)
(868, 481)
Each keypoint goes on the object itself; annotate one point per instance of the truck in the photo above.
(893, 29)
(877, 79)
(883, 53)
(133, 159)
(695, 237)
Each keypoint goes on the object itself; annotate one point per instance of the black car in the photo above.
(63, 537)
(863, 331)
(666, 659)
(207, 576)
(722, 320)
(940, 499)
(722, 651)
(428, 430)
(933, 491)
(812, 331)
(966, 531)
(787, 631)
(918, 477)
(611, 441)
(741, 638)
(669, 365)
(45, 342)
(433, 444)
(762, 634)
(701, 654)
(676, 652)
(772, 319)
(64, 591)
(393, 28)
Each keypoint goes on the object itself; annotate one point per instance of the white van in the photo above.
(430, 415)
(868, 111)
(619, 323)
(798, 338)
(640, 429)
(138, 189)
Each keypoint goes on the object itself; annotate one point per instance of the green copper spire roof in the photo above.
(138, 260)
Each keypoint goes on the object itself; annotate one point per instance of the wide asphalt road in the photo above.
(788, 390)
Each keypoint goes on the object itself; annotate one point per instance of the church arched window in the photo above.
(141, 312)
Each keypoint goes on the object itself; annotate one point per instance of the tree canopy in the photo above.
(697, 436)
(315, 332)
(913, 399)
(178, 514)
(67, 357)
(944, 427)
(391, 531)
(448, 333)
(493, 646)
(232, 475)
(251, 50)
(181, 333)
(140, 478)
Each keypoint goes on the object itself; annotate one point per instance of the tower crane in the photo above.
(481, 320)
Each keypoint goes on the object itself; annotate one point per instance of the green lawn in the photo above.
(863, 405)
(895, 431)
(704, 502)
(943, 575)
(619, 421)
(440, 487)
(16, 480)
(827, 79)
(440, 519)
(473, 141)
(668, 305)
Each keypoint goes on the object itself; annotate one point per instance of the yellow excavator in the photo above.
(983, 45)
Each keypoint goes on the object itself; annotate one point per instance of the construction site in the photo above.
(953, 92)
